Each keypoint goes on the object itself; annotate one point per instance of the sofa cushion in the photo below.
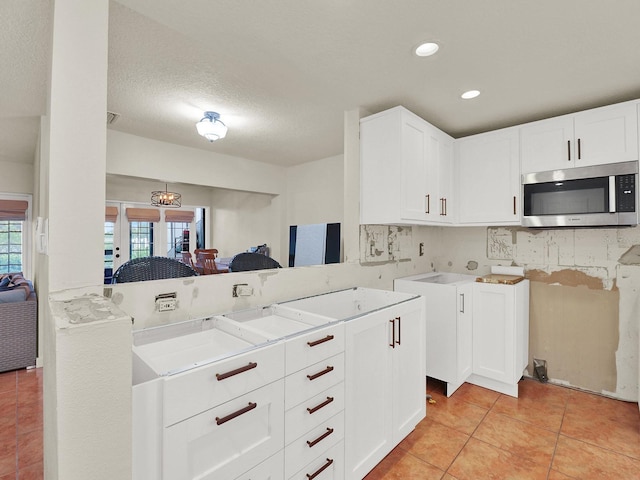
(11, 295)
(5, 281)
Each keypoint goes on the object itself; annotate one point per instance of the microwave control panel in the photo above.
(626, 193)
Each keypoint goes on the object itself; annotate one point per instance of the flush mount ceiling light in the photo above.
(211, 127)
(427, 49)
(166, 199)
(470, 94)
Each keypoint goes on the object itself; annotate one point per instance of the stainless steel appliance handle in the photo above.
(612, 194)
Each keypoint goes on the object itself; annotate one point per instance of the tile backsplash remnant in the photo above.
(500, 244)
(384, 243)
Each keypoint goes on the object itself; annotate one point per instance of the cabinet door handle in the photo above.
(568, 150)
(462, 303)
(233, 415)
(514, 205)
(579, 151)
(322, 340)
(311, 443)
(399, 328)
(222, 376)
(313, 410)
(319, 374)
(393, 333)
(311, 476)
(445, 207)
(428, 199)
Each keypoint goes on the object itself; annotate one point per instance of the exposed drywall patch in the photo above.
(631, 256)
(472, 265)
(567, 278)
(500, 244)
(575, 329)
(384, 243)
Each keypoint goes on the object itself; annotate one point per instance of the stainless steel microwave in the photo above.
(602, 195)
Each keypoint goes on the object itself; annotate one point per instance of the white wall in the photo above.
(16, 177)
(314, 192)
(145, 158)
(138, 190)
(240, 220)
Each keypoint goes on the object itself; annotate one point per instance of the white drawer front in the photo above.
(312, 444)
(310, 348)
(195, 391)
(312, 412)
(306, 383)
(271, 469)
(328, 466)
(223, 442)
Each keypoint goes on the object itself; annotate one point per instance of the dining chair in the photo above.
(210, 267)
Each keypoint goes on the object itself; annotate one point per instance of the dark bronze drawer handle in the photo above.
(222, 376)
(320, 470)
(320, 438)
(319, 374)
(318, 407)
(233, 415)
(322, 340)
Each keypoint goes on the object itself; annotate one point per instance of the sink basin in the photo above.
(442, 278)
(345, 304)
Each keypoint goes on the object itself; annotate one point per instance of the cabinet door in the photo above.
(368, 406)
(547, 145)
(441, 151)
(464, 337)
(413, 190)
(226, 440)
(487, 169)
(409, 380)
(607, 135)
(270, 469)
(494, 331)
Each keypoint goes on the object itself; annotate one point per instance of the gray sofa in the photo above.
(18, 323)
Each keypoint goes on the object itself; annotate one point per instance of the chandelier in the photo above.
(166, 198)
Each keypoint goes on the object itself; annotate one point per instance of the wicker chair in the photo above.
(18, 334)
(152, 268)
(244, 262)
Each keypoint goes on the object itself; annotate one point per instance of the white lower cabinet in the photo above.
(448, 340)
(222, 442)
(384, 381)
(328, 466)
(286, 407)
(500, 335)
(271, 469)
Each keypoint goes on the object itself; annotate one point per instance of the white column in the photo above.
(351, 223)
(87, 368)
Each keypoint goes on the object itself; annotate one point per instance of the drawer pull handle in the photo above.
(311, 476)
(319, 374)
(233, 415)
(222, 376)
(320, 438)
(322, 340)
(318, 407)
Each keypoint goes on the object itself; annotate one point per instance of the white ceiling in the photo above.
(282, 72)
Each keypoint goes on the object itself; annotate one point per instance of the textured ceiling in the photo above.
(282, 72)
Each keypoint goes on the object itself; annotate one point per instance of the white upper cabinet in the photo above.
(405, 172)
(488, 178)
(593, 137)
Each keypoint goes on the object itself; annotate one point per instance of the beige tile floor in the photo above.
(21, 425)
(548, 433)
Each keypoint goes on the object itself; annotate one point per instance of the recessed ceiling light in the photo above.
(470, 94)
(427, 49)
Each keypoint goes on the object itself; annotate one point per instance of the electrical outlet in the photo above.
(242, 290)
(166, 302)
